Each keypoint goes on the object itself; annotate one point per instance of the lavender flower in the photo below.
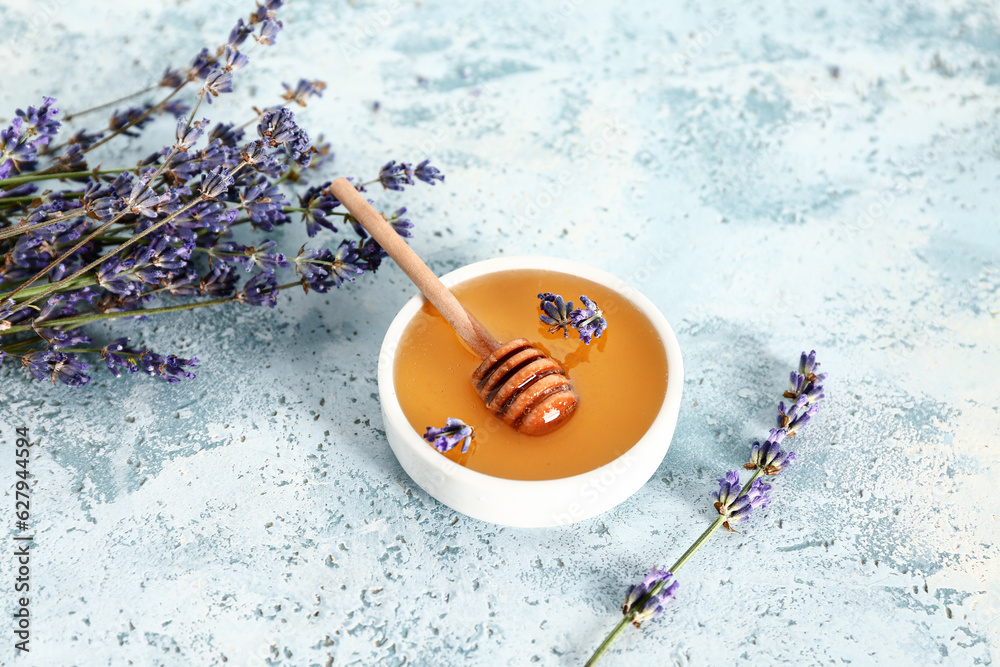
(268, 32)
(277, 127)
(734, 505)
(428, 174)
(261, 290)
(188, 136)
(557, 312)
(233, 59)
(59, 366)
(318, 204)
(454, 431)
(186, 215)
(170, 368)
(401, 224)
(239, 33)
(262, 257)
(117, 357)
(130, 118)
(769, 456)
(588, 320)
(220, 282)
(303, 91)
(215, 184)
(394, 176)
(640, 601)
(264, 203)
(322, 269)
(217, 82)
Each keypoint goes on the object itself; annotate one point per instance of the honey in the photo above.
(620, 378)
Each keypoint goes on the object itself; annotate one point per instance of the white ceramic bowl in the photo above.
(529, 503)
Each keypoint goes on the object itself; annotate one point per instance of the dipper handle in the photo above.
(461, 320)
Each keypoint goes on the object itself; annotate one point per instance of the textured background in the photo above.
(714, 157)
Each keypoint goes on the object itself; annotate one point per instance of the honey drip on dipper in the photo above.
(519, 383)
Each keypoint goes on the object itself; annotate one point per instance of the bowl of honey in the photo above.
(628, 381)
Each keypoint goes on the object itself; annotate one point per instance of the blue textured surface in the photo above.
(706, 154)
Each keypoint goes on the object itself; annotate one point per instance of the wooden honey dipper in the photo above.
(519, 383)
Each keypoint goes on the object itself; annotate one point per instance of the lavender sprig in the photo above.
(104, 247)
(733, 502)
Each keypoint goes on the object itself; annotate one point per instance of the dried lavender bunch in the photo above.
(733, 502)
(175, 231)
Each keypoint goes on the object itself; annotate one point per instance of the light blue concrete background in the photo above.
(257, 516)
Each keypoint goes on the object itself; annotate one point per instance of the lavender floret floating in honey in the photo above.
(556, 311)
(454, 431)
(589, 321)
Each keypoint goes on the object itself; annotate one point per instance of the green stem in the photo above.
(58, 175)
(27, 199)
(96, 317)
(138, 120)
(32, 291)
(609, 640)
(715, 525)
(70, 116)
(149, 230)
(658, 587)
(10, 232)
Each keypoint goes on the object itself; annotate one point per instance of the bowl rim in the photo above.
(665, 418)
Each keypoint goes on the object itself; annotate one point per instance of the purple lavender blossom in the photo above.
(589, 320)
(264, 203)
(401, 224)
(370, 254)
(188, 136)
(806, 390)
(215, 184)
(303, 91)
(59, 366)
(130, 119)
(239, 33)
(172, 78)
(261, 290)
(254, 152)
(428, 174)
(277, 126)
(220, 281)
(322, 269)
(170, 368)
(117, 357)
(394, 176)
(57, 339)
(262, 257)
(769, 456)
(318, 204)
(454, 431)
(797, 414)
(557, 312)
(734, 505)
(268, 32)
(645, 606)
(217, 82)
(233, 59)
